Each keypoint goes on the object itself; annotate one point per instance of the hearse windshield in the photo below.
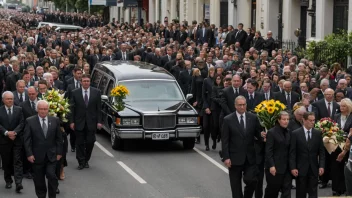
(140, 90)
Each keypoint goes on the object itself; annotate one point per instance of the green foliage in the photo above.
(334, 48)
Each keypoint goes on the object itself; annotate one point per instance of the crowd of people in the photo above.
(229, 72)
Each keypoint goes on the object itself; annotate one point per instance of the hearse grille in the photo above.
(159, 121)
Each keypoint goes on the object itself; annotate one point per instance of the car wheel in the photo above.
(116, 143)
(188, 143)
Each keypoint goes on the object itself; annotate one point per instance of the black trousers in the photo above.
(276, 183)
(249, 172)
(307, 185)
(84, 145)
(27, 166)
(215, 114)
(40, 170)
(207, 127)
(327, 170)
(337, 172)
(12, 162)
(259, 187)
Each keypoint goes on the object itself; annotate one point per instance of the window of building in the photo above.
(313, 15)
(253, 13)
(340, 20)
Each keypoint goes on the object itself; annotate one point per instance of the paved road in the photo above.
(145, 170)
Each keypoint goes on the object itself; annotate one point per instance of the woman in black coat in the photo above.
(278, 176)
(196, 89)
(207, 114)
(344, 120)
(215, 107)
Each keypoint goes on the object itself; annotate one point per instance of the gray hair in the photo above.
(324, 81)
(20, 81)
(7, 92)
(240, 98)
(45, 75)
(39, 102)
(301, 109)
(32, 87)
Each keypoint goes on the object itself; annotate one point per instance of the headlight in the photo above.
(187, 120)
(130, 121)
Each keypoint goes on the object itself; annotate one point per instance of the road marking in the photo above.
(104, 149)
(212, 160)
(131, 172)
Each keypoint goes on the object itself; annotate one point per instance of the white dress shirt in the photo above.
(75, 83)
(41, 121)
(84, 92)
(327, 105)
(234, 90)
(306, 134)
(7, 111)
(343, 121)
(23, 96)
(239, 118)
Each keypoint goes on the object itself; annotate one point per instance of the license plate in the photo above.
(160, 136)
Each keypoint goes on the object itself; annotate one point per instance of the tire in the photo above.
(116, 143)
(188, 143)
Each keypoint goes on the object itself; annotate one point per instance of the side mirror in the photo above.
(104, 97)
(189, 96)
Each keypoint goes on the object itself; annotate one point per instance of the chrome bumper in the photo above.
(178, 133)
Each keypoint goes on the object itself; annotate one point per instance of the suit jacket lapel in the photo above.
(236, 122)
(303, 136)
(348, 123)
(50, 121)
(40, 128)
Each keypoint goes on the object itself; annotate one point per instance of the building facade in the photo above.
(313, 18)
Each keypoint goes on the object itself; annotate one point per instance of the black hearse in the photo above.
(155, 108)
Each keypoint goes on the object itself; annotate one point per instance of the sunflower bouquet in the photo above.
(332, 134)
(119, 93)
(58, 105)
(268, 112)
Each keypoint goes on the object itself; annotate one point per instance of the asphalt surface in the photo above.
(146, 169)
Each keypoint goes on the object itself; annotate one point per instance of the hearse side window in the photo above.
(110, 87)
(96, 78)
(103, 83)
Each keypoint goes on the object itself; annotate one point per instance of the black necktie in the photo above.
(9, 114)
(288, 101)
(44, 127)
(242, 123)
(86, 98)
(236, 92)
(250, 101)
(21, 98)
(329, 109)
(33, 106)
(309, 138)
(77, 84)
(266, 96)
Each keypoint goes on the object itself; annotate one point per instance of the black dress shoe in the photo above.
(8, 185)
(80, 167)
(207, 148)
(57, 191)
(86, 165)
(19, 187)
(73, 150)
(323, 185)
(28, 176)
(214, 145)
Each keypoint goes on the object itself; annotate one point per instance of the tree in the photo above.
(334, 48)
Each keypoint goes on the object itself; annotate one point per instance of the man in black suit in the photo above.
(43, 145)
(185, 78)
(240, 35)
(58, 84)
(266, 88)
(13, 77)
(326, 107)
(122, 54)
(253, 97)
(288, 97)
(20, 95)
(306, 148)
(75, 80)
(85, 105)
(11, 141)
(230, 93)
(230, 37)
(239, 131)
(203, 34)
(28, 110)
